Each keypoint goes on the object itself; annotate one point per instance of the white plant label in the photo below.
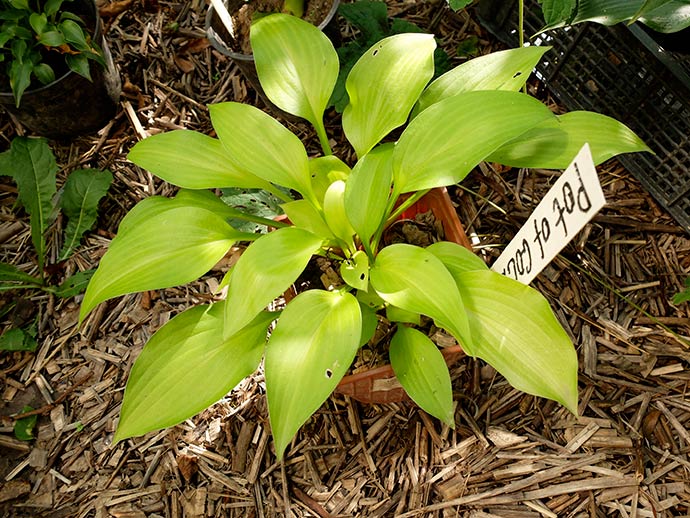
(572, 201)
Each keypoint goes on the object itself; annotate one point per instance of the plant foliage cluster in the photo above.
(37, 39)
(472, 113)
(31, 164)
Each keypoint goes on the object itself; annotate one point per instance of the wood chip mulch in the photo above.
(510, 455)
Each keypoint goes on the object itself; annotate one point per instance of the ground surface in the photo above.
(511, 455)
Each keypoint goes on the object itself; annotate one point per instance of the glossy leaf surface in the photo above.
(419, 366)
(258, 143)
(355, 271)
(308, 353)
(191, 160)
(368, 189)
(383, 86)
(553, 144)
(170, 248)
(413, 279)
(264, 271)
(456, 258)
(296, 64)
(187, 366)
(516, 332)
(447, 140)
(502, 70)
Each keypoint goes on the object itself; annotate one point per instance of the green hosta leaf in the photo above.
(74, 285)
(170, 248)
(335, 214)
(296, 64)
(370, 322)
(413, 279)
(187, 366)
(368, 189)
(52, 6)
(24, 427)
(558, 11)
(264, 271)
(154, 205)
(191, 160)
(17, 339)
(260, 144)
(324, 171)
(304, 215)
(395, 314)
(447, 140)
(419, 366)
(33, 169)
(503, 70)
(384, 85)
(355, 271)
(515, 331)
(553, 143)
(83, 190)
(456, 258)
(310, 350)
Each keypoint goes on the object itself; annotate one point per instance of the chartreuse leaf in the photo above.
(324, 171)
(413, 279)
(383, 86)
(503, 70)
(369, 323)
(170, 248)
(419, 366)
(83, 190)
(153, 205)
(447, 140)
(396, 314)
(355, 270)
(335, 214)
(258, 143)
(367, 191)
(187, 366)
(264, 271)
(192, 160)
(516, 332)
(308, 353)
(296, 64)
(33, 169)
(553, 143)
(303, 214)
(456, 258)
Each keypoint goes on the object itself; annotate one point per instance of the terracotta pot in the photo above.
(379, 385)
(221, 40)
(71, 105)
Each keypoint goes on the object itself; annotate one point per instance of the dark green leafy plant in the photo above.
(472, 113)
(31, 164)
(373, 23)
(24, 427)
(40, 40)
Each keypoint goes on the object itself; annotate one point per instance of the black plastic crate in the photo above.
(622, 72)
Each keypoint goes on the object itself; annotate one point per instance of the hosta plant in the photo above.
(470, 114)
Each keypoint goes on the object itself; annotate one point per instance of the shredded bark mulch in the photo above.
(510, 455)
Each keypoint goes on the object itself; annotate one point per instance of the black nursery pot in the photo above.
(71, 105)
(221, 40)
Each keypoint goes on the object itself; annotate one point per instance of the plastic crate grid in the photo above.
(620, 72)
